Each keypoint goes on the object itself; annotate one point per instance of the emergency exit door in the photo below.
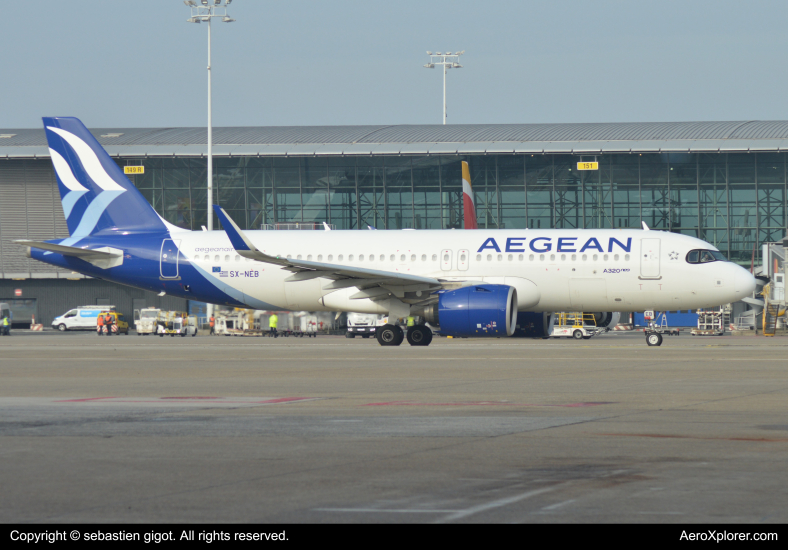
(169, 259)
(649, 258)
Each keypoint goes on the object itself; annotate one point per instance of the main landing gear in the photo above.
(393, 335)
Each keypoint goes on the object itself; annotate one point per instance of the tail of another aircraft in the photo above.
(90, 183)
(469, 209)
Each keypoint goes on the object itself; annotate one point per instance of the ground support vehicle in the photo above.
(80, 318)
(147, 321)
(179, 324)
(363, 324)
(577, 325)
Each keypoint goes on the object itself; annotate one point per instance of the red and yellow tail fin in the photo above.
(468, 206)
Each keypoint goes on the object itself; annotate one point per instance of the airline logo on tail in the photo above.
(90, 181)
(468, 206)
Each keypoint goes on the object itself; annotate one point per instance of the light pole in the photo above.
(448, 61)
(206, 11)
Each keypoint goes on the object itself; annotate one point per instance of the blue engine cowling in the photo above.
(478, 311)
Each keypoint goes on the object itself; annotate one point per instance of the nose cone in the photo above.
(743, 283)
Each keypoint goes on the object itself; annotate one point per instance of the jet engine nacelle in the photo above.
(607, 318)
(476, 311)
(532, 324)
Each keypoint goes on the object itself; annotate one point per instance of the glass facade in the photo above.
(734, 201)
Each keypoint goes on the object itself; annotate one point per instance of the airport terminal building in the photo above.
(724, 182)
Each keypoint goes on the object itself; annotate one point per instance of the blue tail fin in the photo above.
(97, 196)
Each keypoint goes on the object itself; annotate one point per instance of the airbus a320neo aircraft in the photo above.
(469, 283)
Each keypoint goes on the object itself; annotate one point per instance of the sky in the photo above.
(138, 63)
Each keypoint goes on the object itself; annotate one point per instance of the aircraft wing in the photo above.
(388, 282)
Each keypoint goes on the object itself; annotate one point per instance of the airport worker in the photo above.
(108, 321)
(411, 320)
(6, 325)
(273, 321)
(100, 324)
(212, 322)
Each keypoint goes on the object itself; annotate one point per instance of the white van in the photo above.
(81, 318)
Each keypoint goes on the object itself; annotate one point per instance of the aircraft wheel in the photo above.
(390, 335)
(577, 335)
(419, 336)
(654, 339)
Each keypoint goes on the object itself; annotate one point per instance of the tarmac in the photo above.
(332, 430)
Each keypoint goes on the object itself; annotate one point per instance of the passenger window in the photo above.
(383, 257)
(216, 258)
(478, 257)
(350, 258)
(434, 257)
(402, 257)
(563, 257)
(604, 257)
(319, 257)
(585, 257)
(297, 257)
(541, 257)
(227, 258)
(615, 257)
(574, 257)
(626, 257)
(238, 258)
(530, 257)
(330, 257)
(309, 257)
(207, 258)
(423, 257)
(339, 258)
(393, 258)
(552, 257)
(489, 257)
(511, 257)
(520, 257)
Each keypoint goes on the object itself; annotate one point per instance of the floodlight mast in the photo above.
(448, 61)
(206, 12)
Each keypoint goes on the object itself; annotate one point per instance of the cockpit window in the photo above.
(705, 256)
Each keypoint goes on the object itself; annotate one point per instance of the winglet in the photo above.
(645, 227)
(237, 238)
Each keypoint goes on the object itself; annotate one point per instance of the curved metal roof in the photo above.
(426, 138)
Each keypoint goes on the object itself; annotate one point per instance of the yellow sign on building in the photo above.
(588, 166)
(133, 169)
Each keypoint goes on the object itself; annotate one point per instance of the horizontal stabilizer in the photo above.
(103, 258)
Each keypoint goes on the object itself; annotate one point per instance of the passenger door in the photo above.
(169, 259)
(649, 258)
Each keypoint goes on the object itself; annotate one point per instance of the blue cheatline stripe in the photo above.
(235, 294)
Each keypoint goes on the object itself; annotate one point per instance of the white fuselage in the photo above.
(552, 270)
